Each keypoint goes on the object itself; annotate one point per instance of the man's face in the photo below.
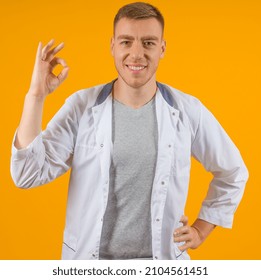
(137, 47)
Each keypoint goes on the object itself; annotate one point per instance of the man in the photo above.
(128, 144)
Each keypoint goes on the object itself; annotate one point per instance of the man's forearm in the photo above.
(31, 121)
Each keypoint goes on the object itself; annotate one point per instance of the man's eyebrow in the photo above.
(123, 36)
(150, 38)
(145, 38)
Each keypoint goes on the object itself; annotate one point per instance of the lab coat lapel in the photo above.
(102, 115)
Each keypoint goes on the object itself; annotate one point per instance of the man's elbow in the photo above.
(22, 181)
(22, 184)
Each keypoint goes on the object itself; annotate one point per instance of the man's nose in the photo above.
(137, 51)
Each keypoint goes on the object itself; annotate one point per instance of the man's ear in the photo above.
(112, 46)
(163, 48)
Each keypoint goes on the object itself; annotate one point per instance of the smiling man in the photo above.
(128, 144)
(137, 47)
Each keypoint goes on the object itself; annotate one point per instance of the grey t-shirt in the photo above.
(126, 232)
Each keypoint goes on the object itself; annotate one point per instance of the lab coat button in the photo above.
(93, 255)
(101, 145)
(162, 183)
(157, 220)
(155, 257)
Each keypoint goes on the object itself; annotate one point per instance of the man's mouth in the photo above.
(136, 67)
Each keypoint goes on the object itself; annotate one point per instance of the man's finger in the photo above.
(58, 60)
(181, 230)
(184, 220)
(53, 52)
(185, 246)
(39, 51)
(46, 49)
(181, 238)
(63, 75)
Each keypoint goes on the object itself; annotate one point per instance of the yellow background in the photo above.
(213, 53)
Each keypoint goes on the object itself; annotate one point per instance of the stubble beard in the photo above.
(136, 84)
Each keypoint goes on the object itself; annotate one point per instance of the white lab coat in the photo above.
(79, 137)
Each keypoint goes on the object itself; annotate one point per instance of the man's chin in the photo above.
(135, 83)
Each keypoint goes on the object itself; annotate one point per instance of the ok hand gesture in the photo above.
(43, 80)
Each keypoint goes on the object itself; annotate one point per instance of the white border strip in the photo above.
(146, 269)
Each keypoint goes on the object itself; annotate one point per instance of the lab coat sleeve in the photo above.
(49, 155)
(216, 151)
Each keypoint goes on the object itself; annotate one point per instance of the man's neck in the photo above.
(134, 97)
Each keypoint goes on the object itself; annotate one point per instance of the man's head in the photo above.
(138, 11)
(137, 44)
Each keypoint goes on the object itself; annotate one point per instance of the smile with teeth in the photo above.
(135, 68)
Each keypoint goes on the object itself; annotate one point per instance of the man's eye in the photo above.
(125, 43)
(148, 43)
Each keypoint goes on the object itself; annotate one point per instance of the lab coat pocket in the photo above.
(69, 246)
(180, 255)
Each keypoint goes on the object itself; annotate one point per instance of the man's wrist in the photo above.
(35, 97)
(201, 236)
(203, 228)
